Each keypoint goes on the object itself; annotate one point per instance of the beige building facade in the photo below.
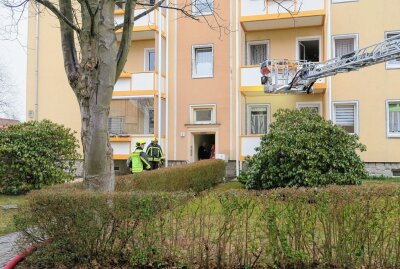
(187, 84)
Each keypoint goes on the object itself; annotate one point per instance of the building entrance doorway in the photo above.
(202, 146)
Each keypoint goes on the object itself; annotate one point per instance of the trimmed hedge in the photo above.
(194, 177)
(333, 227)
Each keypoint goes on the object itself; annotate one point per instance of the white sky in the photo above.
(13, 56)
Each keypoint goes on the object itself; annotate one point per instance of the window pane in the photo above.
(203, 6)
(258, 53)
(204, 61)
(392, 63)
(151, 61)
(203, 114)
(394, 118)
(343, 46)
(345, 116)
(258, 120)
(131, 116)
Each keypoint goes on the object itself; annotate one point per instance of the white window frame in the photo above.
(195, 10)
(146, 59)
(248, 110)
(388, 134)
(343, 1)
(387, 64)
(356, 114)
(258, 42)
(311, 105)
(194, 71)
(308, 38)
(192, 113)
(346, 36)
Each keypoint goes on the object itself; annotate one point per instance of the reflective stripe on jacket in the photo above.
(139, 161)
(154, 153)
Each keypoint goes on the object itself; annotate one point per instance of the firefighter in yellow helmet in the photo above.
(155, 154)
(138, 161)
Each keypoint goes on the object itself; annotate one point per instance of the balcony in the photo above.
(259, 15)
(145, 27)
(250, 81)
(134, 84)
(124, 146)
(248, 143)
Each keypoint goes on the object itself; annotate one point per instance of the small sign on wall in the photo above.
(221, 157)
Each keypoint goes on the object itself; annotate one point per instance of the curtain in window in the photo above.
(345, 117)
(258, 120)
(203, 6)
(151, 61)
(204, 61)
(394, 118)
(343, 46)
(258, 53)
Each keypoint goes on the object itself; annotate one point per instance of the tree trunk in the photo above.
(96, 83)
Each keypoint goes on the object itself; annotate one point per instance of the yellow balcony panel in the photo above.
(259, 15)
(133, 84)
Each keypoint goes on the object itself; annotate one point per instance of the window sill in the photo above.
(393, 135)
(201, 124)
(202, 76)
(391, 67)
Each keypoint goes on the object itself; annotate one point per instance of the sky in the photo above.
(13, 56)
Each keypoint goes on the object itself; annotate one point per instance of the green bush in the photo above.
(331, 227)
(302, 149)
(194, 177)
(36, 154)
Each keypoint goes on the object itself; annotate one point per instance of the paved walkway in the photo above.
(7, 251)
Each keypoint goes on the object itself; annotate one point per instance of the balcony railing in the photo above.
(147, 23)
(248, 145)
(269, 14)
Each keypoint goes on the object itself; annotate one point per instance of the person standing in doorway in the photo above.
(138, 161)
(155, 154)
(203, 153)
(212, 155)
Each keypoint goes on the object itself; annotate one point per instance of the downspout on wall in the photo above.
(329, 55)
(237, 88)
(36, 106)
(166, 89)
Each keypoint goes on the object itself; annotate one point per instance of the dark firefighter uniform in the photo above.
(155, 154)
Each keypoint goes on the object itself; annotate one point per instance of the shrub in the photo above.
(302, 149)
(194, 177)
(332, 227)
(36, 154)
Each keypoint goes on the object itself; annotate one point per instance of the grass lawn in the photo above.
(6, 216)
(390, 180)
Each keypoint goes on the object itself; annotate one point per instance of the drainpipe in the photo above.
(159, 71)
(237, 88)
(230, 86)
(167, 90)
(36, 109)
(329, 56)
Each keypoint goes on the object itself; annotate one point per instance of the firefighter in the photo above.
(138, 160)
(155, 154)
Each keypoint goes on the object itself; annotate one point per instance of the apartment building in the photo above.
(188, 84)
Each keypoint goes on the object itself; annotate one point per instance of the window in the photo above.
(203, 61)
(308, 49)
(131, 116)
(346, 116)
(149, 61)
(202, 7)
(317, 106)
(343, 45)
(257, 119)
(203, 114)
(393, 118)
(257, 52)
(393, 63)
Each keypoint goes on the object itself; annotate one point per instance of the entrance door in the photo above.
(201, 146)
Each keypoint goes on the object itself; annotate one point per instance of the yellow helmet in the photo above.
(141, 142)
(154, 139)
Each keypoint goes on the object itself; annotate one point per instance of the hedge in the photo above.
(194, 177)
(333, 227)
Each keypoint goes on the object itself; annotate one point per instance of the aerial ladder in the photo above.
(284, 76)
